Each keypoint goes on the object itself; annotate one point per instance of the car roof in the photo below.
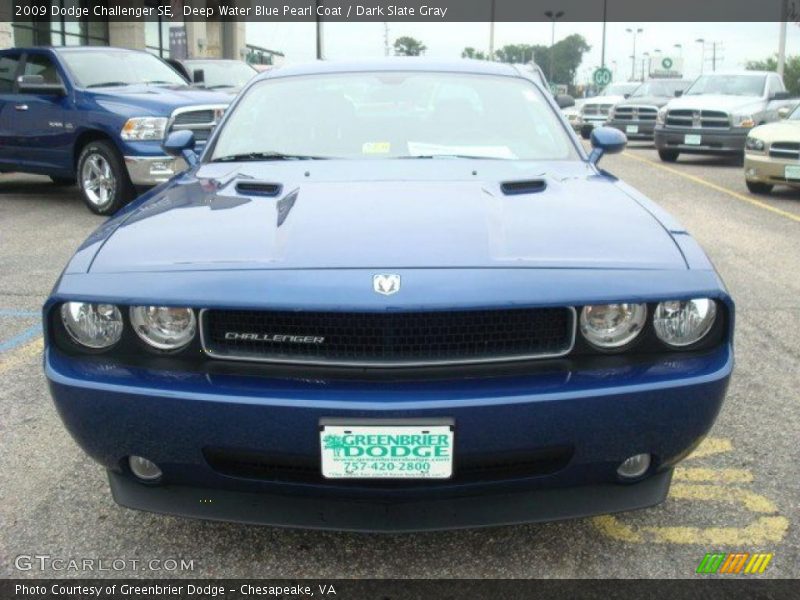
(481, 67)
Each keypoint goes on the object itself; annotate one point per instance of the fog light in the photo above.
(634, 467)
(144, 469)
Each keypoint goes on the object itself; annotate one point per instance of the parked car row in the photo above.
(747, 113)
(98, 116)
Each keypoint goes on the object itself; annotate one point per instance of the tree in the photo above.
(470, 52)
(567, 56)
(408, 46)
(791, 71)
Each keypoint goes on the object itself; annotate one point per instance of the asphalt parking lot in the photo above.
(739, 492)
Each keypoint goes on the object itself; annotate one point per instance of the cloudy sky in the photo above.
(739, 42)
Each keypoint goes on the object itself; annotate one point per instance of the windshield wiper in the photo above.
(256, 156)
(469, 156)
(158, 82)
(220, 85)
(108, 84)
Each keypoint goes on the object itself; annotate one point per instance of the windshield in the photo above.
(221, 73)
(115, 68)
(659, 88)
(619, 89)
(393, 115)
(728, 85)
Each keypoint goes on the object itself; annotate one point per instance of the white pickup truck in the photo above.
(715, 114)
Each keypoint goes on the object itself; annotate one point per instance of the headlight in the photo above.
(681, 323)
(144, 128)
(164, 327)
(743, 121)
(609, 326)
(754, 144)
(92, 325)
(661, 116)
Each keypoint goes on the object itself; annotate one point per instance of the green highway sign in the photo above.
(602, 77)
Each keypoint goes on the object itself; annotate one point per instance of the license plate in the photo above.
(387, 451)
(791, 171)
(631, 129)
(692, 139)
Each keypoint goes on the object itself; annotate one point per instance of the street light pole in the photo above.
(603, 46)
(680, 49)
(702, 42)
(633, 56)
(645, 56)
(553, 17)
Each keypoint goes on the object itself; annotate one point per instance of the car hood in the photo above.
(400, 214)
(658, 101)
(603, 100)
(780, 131)
(158, 97)
(715, 102)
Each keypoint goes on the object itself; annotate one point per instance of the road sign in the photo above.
(602, 77)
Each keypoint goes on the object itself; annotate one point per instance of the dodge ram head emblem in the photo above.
(386, 283)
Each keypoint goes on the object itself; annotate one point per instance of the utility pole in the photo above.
(553, 17)
(320, 53)
(782, 40)
(491, 32)
(603, 46)
(633, 56)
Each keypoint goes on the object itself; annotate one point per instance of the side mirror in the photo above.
(34, 84)
(780, 96)
(565, 100)
(198, 76)
(678, 93)
(606, 140)
(181, 144)
(626, 96)
(784, 111)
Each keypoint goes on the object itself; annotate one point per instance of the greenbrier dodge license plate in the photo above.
(388, 451)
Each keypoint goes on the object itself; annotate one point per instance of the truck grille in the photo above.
(199, 119)
(635, 113)
(388, 339)
(697, 119)
(596, 109)
(785, 150)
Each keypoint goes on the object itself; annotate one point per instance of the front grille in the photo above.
(706, 119)
(387, 339)
(466, 469)
(200, 120)
(596, 109)
(635, 113)
(785, 150)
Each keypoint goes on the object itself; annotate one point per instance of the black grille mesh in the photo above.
(386, 338)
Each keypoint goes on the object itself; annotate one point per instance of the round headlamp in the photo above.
(94, 326)
(164, 327)
(754, 144)
(681, 323)
(611, 326)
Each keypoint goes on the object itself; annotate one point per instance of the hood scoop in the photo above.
(259, 188)
(527, 186)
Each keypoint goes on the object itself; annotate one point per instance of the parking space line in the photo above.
(19, 356)
(699, 475)
(21, 338)
(714, 186)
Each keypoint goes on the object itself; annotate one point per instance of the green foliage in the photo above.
(470, 52)
(567, 56)
(408, 46)
(791, 71)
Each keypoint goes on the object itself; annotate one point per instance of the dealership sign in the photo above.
(666, 66)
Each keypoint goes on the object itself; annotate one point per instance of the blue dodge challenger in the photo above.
(390, 296)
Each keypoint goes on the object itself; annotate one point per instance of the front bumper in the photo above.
(712, 141)
(644, 131)
(761, 168)
(602, 415)
(152, 170)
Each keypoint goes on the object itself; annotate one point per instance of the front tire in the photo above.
(668, 155)
(756, 187)
(102, 179)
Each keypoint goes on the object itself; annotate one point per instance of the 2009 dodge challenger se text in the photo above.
(390, 296)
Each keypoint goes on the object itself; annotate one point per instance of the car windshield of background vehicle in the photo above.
(728, 85)
(658, 88)
(394, 115)
(222, 74)
(619, 89)
(114, 68)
